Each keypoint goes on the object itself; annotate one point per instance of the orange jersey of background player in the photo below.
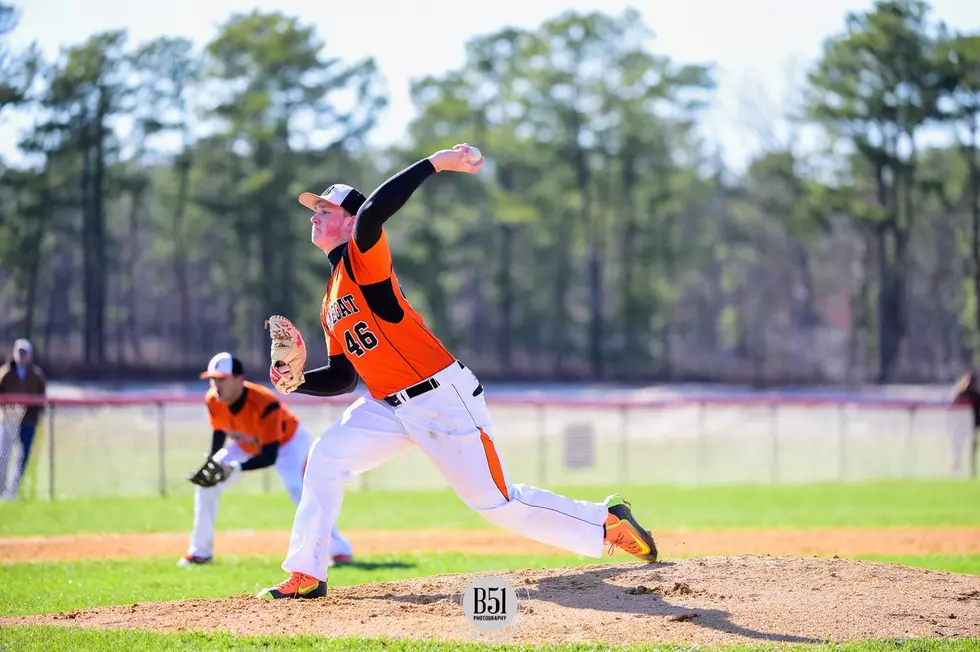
(256, 420)
(366, 317)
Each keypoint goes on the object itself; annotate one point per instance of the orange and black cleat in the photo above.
(624, 532)
(299, 585)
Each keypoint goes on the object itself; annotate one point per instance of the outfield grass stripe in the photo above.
(881, 504)
(97, 640)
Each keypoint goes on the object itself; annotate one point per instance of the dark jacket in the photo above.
(967, 394)
(34, 383)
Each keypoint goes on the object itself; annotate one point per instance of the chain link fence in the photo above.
(139, 446)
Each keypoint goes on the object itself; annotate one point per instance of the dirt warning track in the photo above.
(822, 542)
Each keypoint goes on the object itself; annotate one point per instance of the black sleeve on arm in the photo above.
(386, 201)
(217, 441)
(266, 457)
(337, 378)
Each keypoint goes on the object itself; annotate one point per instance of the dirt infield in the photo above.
(744, 597)
(708, 601)
(897, 541)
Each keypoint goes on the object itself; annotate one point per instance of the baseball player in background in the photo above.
(18, 423)
(967, 393)
(418, 395)
(262, 433)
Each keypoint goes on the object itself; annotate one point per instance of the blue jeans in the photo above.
(27, 431)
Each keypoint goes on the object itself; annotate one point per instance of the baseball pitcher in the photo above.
(418, 395)
(262, 433)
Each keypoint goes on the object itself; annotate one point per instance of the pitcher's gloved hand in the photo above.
(288, 353)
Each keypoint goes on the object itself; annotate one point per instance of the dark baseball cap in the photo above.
(224, 365)
(339, 194)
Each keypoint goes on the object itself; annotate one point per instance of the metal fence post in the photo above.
(972, 446)
(161, 449)
(542, 446)
(841, 440)
(50, 450)
(701, 445)
(624, 444)
(909, 438)
(774, 433)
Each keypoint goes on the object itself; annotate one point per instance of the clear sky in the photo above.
(761, 47)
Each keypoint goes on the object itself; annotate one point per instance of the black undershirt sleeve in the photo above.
(266, 457)
(386, 201)
(335, 379)
(217, 441)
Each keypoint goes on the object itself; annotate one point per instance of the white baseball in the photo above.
(473, 155)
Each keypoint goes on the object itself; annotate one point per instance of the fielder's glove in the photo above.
(213, 472)
(288, 348)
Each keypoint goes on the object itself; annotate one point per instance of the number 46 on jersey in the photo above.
(359, 339)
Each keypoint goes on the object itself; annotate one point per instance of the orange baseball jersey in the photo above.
(366, 317)
(261, 420)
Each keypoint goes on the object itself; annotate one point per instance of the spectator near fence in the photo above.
(19, 423)
(966, 393)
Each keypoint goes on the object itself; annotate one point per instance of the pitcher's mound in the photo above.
(713, 600)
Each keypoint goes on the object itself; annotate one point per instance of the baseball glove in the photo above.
(211, 473)
(288, 348)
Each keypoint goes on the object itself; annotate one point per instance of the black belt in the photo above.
(416, 390)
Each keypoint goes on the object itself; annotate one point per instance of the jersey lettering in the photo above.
(245, 441)
(342, 307)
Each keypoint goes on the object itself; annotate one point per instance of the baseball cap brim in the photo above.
(215, 374)
(310, 200)
(347, 197)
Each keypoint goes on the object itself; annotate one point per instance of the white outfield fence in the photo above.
(125, 445)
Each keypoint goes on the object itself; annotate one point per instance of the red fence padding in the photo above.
(751, 400)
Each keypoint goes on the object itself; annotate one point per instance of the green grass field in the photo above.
(899, 503)
(134, 641)
(52, 587)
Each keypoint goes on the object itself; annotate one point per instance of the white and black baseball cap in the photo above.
(223, 365)
(339, 194)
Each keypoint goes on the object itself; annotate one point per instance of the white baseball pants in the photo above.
(290, 463)
(452, 427)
